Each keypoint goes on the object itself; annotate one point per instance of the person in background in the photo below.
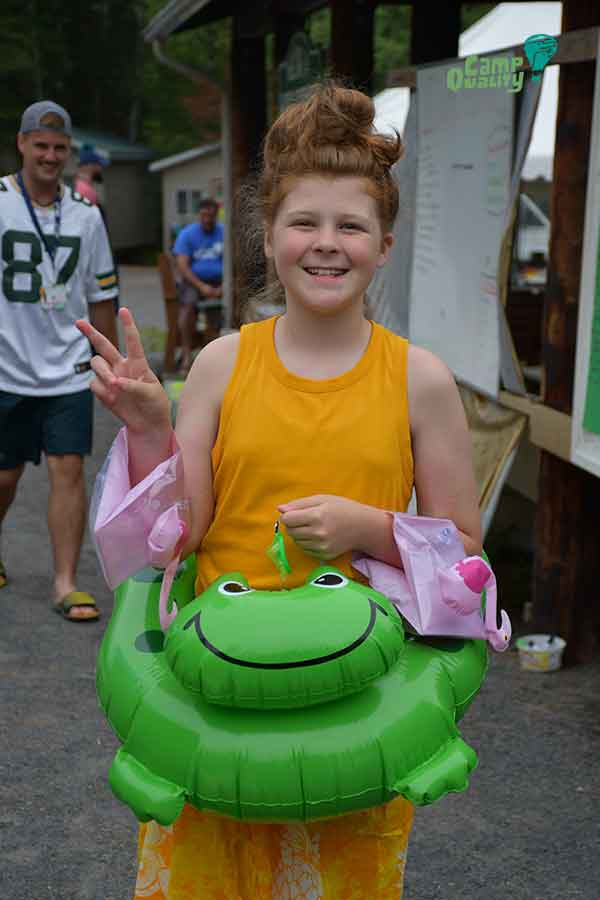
(198, 251)
(56, 267)
(88, 177)
(89, 174)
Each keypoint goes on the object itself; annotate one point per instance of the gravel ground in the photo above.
(528, 827)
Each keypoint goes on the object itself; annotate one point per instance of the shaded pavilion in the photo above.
(567, 561)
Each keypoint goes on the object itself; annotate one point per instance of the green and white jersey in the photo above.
(41, 350)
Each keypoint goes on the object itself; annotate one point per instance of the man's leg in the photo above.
(66, 439)
(9, 478)
(66, 523)
(187, 322)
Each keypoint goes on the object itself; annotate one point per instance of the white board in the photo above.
(463, 187)
(585, 441)
(389, 291)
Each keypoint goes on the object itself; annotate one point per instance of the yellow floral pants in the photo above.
(202, 856)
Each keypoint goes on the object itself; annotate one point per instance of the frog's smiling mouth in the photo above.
(315, 661)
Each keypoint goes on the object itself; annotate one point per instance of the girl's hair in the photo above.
(329, 133)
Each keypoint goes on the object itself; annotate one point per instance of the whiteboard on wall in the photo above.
(463, 188)
(585, 428)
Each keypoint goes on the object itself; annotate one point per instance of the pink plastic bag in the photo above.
(135, 527)
(439, 590)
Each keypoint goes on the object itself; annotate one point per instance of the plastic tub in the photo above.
(541, 652)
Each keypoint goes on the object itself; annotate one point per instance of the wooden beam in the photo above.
(567, 562)
(248, 126)
(574, 47)
(434, 35)
(352, 35)
(549, 429)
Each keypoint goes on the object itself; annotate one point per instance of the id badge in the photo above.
(54, 296)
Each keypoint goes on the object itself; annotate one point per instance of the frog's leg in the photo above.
(447, 771)
(148, 796)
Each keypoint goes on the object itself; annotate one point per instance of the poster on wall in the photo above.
(463, 189)
(585, 429)
(591, 410)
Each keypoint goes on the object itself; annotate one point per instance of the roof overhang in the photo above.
(187, 156)
(181, 15)
(174, 17)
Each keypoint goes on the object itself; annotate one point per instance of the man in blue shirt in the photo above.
(198, 252)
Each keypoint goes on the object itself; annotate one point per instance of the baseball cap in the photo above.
(32, 118)
(88, 155)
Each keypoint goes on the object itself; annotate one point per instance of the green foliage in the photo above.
(84, 56)
(177, 113)
(319, 27)
(392, 42)
(92, 58)
(472, 12)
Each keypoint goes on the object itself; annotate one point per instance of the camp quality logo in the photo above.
(487, 72)
(502, 71)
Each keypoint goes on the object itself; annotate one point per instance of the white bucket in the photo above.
(541, 652)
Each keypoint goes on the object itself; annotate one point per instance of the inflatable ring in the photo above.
(280, 706)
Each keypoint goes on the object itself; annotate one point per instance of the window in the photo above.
(196, 198)
(181, 202)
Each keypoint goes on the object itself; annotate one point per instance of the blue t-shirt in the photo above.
(205, 250)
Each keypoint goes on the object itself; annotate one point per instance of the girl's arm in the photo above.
(196, 431)
(443, 465)
(442, 450)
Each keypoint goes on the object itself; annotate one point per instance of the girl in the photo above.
(325, 420)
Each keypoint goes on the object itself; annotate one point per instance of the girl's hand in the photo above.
(126, 384)
(324, 525)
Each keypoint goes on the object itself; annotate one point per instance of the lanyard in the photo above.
(51, 251)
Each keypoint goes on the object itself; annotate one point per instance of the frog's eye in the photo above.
(234, 587)
(330, 580)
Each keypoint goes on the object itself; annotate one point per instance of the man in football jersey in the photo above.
(56, 267)
(198, 252)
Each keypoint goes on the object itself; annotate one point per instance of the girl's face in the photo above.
(326, 242)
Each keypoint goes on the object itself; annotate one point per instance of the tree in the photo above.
(92, 59)
(177, 114)
(86, 57)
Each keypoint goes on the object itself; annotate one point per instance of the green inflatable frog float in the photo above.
(283, 705)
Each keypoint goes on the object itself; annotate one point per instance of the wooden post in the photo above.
(567, 558)
(248, 126)
(434, 31)
(352, 32)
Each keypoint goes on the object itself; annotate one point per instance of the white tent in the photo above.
(505, 26)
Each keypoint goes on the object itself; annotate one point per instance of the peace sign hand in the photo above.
(126, 384)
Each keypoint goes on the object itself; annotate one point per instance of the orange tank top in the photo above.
(282, 437)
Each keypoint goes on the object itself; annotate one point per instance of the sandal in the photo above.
(74, 599)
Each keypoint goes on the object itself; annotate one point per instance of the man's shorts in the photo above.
(30, 426)
(190, 295)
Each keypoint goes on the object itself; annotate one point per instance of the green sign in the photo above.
(591, 414)
(302, 66)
